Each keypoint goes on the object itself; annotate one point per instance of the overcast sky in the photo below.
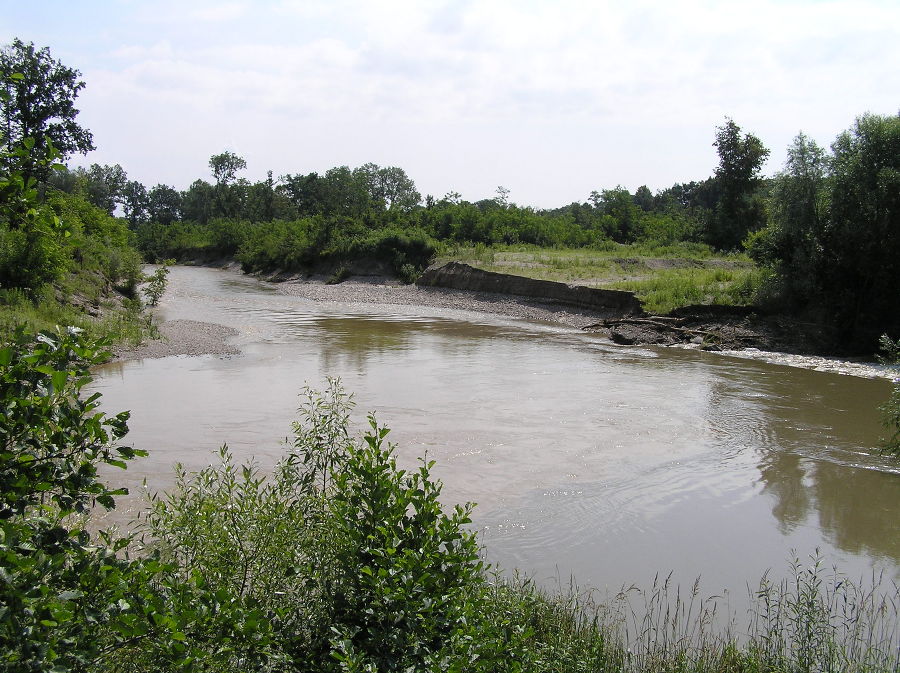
(549, 99)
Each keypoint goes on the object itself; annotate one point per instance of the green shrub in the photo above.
(156, 283)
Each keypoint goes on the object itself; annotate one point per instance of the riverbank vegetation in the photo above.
(663, 277)
(63, 260)
(338, 561)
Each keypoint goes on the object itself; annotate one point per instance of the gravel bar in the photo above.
(381, 292)
(184, 337)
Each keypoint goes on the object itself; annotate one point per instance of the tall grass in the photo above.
(664, 277)
(813, 620)
(672, 288)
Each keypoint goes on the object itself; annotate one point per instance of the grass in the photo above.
(814, 620)
(663, 277)
(672, 288)
(119, 320)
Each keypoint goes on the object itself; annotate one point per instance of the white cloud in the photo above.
(487, 76)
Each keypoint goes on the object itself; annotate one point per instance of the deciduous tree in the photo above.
(740, 209)
(37, 100)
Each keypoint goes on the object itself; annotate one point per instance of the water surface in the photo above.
(586, 459)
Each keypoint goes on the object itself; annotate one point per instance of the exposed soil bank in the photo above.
(719, 328)
(615, 303)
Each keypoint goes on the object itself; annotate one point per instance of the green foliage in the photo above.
(156, 283)
(54, 588)
(353, 559)
(340, 274)
(834, 236)
(72, 602)
(31, 235)
(740, 210)
(62, 251)
(38, 102)
(674, 288)
(405, 567)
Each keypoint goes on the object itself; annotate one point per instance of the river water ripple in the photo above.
(588, 460)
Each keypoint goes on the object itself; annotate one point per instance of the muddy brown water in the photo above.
(604, 463)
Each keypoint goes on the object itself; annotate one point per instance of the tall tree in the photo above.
(643, 198)
(740, 209)
(37, 100)
(791, 243)
(623, 223)
(224, 168)
(305, 192)
(103, 186)
(834, 233)
(197, 203)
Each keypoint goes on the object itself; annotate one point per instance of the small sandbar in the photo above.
(184, 337)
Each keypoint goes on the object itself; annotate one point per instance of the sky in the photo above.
(549, 99)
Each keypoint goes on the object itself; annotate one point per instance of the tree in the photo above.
(225, 167)
(164, 204)
(31, 253)
(502, 197)
(38, 101)
(197, 202)
(740, 208)
(618, 204)
(861, 240)
(305, 193)
(103, 186)
(397, 190)
(345, 192)
(643, 198)
(834, 234)
(135, 203)
(797, 213)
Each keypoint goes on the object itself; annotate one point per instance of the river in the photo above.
(588, 460)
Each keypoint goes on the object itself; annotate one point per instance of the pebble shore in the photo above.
(184, 337)
(375, 292)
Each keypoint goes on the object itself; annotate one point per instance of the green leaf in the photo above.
(59, 379)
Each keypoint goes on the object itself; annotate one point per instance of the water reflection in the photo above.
(783, 474)
(818, 465)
